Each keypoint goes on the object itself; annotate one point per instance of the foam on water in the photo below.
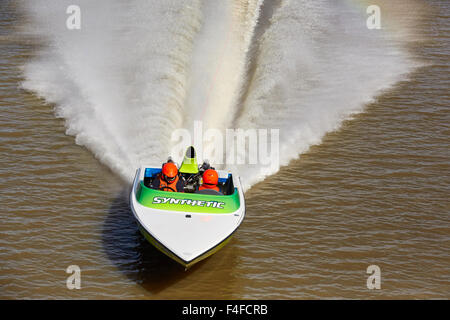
(137, 70)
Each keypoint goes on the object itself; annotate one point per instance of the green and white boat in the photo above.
(187, 226)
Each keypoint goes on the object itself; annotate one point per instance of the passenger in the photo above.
(168, 179)
(210, 180)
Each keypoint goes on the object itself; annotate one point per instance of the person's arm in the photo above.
(155, 183)
(180, 185)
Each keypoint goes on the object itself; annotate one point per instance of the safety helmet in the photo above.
(210, 177)
(169, 171)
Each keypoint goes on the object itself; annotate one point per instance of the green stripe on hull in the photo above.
(187, 202)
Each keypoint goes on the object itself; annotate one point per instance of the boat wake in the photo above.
(137, 70)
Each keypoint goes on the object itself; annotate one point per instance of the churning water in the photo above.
(138, 70)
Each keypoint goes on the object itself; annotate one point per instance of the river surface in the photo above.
(375, 191)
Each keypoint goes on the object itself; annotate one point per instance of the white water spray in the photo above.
(137, 70)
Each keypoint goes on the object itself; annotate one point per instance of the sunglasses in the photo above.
(168, 179)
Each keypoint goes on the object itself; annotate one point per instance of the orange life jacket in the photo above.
(173, 185)
(208, 187)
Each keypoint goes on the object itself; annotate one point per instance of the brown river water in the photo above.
(374, 192)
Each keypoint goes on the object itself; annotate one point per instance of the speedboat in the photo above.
(187, 226)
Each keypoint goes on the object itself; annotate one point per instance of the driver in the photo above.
(210, 180)
(168, 179)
